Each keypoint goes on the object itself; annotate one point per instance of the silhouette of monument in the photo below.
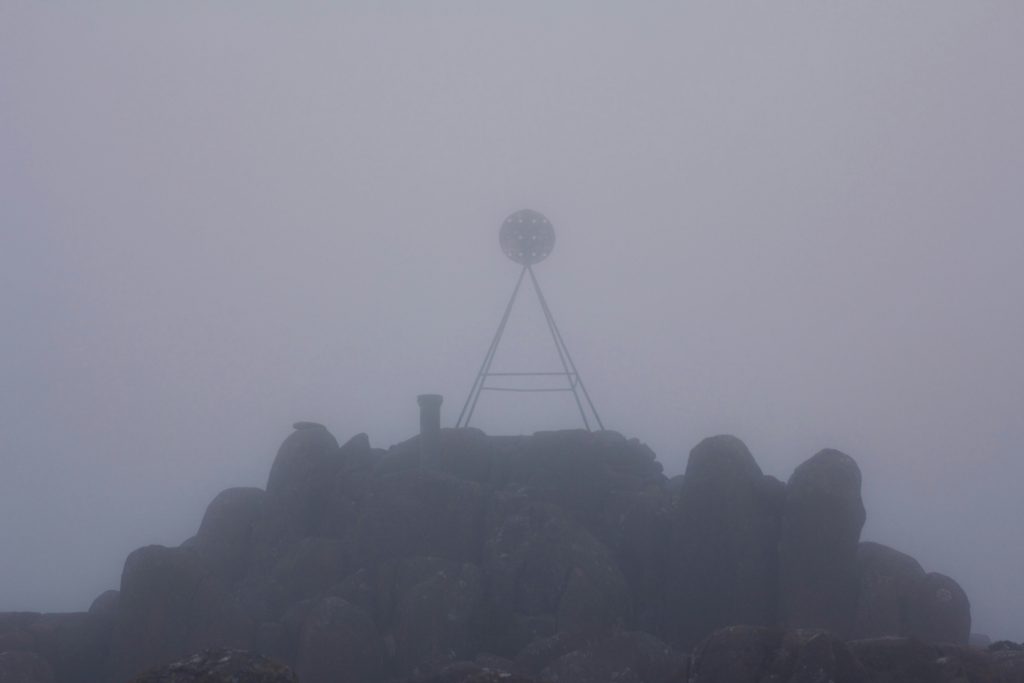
(527, 237)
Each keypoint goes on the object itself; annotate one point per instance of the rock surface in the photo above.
(821, 524)
(722, 553)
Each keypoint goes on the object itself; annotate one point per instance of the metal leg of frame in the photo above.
(474, 392)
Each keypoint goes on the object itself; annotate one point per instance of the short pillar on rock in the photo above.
(430, 429)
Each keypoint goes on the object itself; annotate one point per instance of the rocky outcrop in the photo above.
(564, 556)
(821, 524)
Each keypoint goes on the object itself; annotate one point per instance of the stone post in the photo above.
(430, 429)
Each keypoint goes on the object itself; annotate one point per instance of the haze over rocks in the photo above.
(562, 556)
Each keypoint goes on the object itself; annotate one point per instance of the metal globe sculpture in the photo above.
(527, 237)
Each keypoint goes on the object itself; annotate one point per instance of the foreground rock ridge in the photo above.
(562, 556)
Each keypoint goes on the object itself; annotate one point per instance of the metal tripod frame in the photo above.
(569, 371)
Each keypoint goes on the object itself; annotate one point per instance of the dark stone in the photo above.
(170, 605)
(725, 530)
(888, 583)
(338, 642)
(821, 528)
(298, 486)
(939, 611)
(224, 539)
(220, 666)
(105, 604)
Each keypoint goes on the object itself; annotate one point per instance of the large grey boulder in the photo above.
(888, 586)
(940, 611)
(821, 527)
(299, 485)
(224, 540)
(171, 605)
(724, 535)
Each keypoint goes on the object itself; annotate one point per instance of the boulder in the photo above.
(105, 604)
(171, 605)
(24, 667)
(821, 527)
(298, 486)
(220, 666)
(888, 585)
(939, 611)
(338, 644)
(722, 553)
(224, 539)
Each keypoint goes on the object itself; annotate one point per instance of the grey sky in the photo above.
(800, 223)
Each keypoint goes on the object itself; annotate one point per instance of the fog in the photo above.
(799, 223)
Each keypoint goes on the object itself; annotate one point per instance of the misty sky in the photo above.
(800, 223)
